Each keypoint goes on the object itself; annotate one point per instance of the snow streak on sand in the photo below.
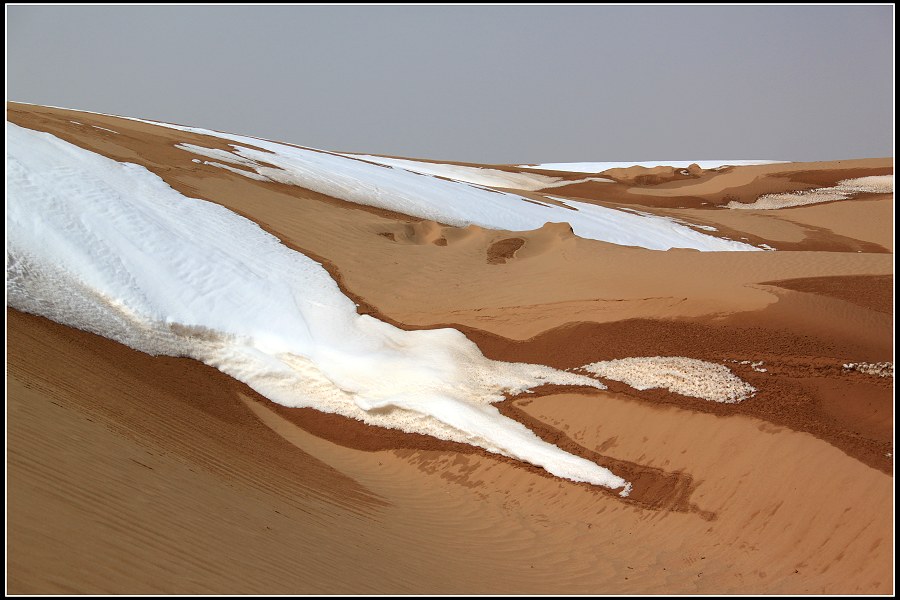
(96, 127)
(874, 184)
(599, 167)
(685, 376)
(452, 202)
(110, 248)
(478, 175)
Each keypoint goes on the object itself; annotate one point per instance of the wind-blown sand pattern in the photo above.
(133, 473)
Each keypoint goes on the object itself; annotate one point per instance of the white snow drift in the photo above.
(108, 247)
(874, 184)
(685, 376)
(451, 202)
(478, 175)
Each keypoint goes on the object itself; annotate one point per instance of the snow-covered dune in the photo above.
(110, 248)
(477, 175)
(448, 194)
(447, 201)
(428, 196)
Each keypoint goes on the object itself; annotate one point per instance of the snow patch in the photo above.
(448, 201)
(478, 175)
(685, 376)
(672, 219)
(880, 369)
(756, 366)
(874, 184)
(599, 167)
(94, 126)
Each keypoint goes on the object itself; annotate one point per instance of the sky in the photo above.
(495, 84)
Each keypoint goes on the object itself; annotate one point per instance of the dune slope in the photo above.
(130, 473)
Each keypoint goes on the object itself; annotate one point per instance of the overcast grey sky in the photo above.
(483, 84)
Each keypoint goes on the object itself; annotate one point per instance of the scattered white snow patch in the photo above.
(685, 376)
(95, 126)
(219, 154)
(599, 167)
(452, 202)
(756, 366)
(880, 369)
(874, 184)
(110, 248)
(250, 174)
(448, 201)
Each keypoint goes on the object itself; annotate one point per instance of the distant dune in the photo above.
(734, 319)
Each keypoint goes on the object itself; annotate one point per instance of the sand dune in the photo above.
(162, 493)
(137, 474)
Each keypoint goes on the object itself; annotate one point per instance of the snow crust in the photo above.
(685, 376)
